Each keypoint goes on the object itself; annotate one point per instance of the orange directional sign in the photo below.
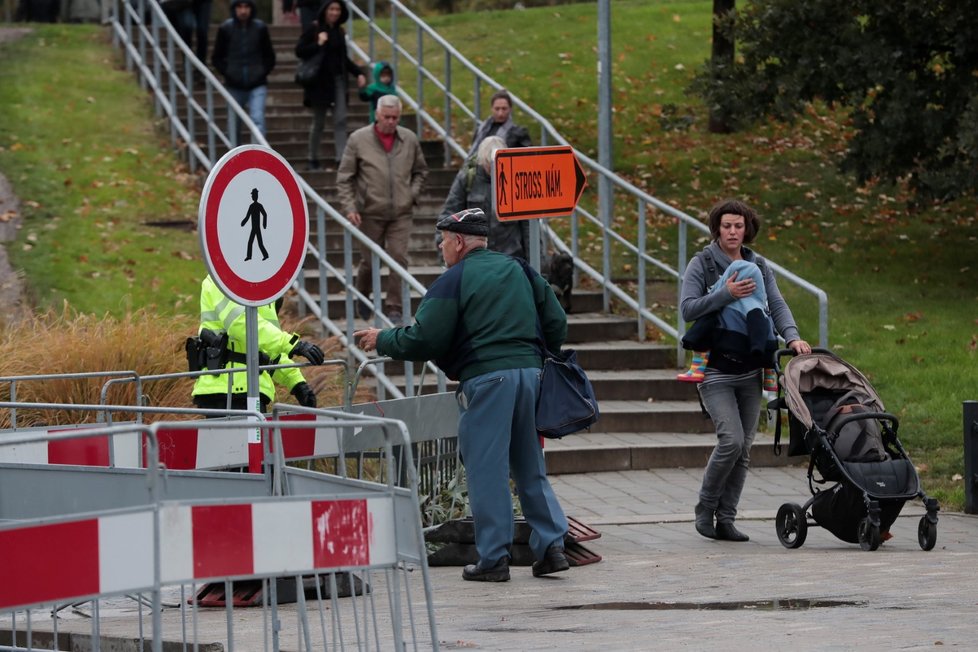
(533, 182)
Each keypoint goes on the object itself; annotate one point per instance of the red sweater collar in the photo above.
(387, 141)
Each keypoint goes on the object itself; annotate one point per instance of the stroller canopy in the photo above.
(823, 371)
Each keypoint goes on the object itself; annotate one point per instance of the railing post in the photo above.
(141, 27)
(211, 127)
(321, 263)
(171, 89)
(348, 273)
(394, 44)
(606, 202)
(970, 412)
(371, 9)
(448, 101)
(420, 77)
(640, 245)
(155, 32)
(188, 75)
(681, 267)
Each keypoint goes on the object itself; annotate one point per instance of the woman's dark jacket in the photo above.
(336, 62)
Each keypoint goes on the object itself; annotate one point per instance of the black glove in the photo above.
(309, 351)
(304, 395)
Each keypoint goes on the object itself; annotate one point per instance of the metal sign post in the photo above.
(254, 228)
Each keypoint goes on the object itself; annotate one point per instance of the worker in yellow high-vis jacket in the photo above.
(222, 320)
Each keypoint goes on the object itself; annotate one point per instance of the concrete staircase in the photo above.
(648, 419)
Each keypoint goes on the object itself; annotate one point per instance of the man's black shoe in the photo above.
(498, 573)
(727, 532)
(554, 561)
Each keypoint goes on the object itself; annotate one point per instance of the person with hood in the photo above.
(501, 124)
(383, 84)
(244, 55)
(328, 91)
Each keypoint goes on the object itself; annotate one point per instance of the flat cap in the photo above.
(471, 221)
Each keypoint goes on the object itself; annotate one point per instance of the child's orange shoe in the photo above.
(697, 369)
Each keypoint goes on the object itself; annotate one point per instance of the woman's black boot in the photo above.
(704, 521)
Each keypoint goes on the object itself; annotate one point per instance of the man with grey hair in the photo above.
(379, 181)
(479, 322)
(472, 188)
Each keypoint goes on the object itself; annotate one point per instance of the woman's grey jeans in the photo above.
(735, 408)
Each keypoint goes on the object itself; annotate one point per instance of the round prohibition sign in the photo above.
(253, 224)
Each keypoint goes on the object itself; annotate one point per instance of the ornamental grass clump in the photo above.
(140, 342)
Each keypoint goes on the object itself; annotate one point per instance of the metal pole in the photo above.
(605, 198)
(970, 412)
(254, 396)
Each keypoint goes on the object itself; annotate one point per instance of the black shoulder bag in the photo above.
(566, 403)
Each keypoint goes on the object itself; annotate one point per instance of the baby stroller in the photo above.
(837, 419)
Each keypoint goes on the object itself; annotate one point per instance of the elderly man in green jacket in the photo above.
(479, 323)
(379, 181)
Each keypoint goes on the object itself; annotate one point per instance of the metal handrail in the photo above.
(635, 300)
(143, 44)
(155, 63)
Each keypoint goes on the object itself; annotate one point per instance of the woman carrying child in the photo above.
(739, 342)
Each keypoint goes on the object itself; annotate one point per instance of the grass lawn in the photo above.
(903, 301)
(79, 145)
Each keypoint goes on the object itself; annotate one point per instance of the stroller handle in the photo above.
(859, 416)
(786, 351)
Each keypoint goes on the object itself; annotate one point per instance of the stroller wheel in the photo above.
(869, 535)
(926, 534)
(791, 525)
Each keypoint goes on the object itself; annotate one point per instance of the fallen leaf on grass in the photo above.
(889, 327)
(957, 477)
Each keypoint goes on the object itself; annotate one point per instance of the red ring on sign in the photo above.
(244, 291)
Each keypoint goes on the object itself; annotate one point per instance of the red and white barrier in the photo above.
(111, 554)
(180, 448)
(83, 451)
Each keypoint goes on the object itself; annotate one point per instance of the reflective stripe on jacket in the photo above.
(222, 315)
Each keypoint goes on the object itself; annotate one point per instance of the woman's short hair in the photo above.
(752, 223)
(501, 94)
(483, 155)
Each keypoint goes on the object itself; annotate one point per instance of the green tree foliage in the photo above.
(907, 69)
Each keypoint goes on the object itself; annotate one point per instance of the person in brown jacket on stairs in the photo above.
(379, 181)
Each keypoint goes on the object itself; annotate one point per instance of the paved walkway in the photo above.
(661, 586)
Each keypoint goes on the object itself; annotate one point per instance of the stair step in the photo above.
(592, 452)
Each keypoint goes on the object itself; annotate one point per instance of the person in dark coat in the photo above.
(244, 55)
(328, 91)
(501, 124)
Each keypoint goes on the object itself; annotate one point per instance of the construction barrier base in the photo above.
(458, 539)
(249, 593)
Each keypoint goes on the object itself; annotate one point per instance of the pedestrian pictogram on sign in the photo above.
(533, 182)
(252, 204)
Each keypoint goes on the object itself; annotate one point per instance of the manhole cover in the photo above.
(778, 604)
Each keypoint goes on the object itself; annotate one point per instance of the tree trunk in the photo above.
(722, 54)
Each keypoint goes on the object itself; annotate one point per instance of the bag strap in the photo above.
(541, 340)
